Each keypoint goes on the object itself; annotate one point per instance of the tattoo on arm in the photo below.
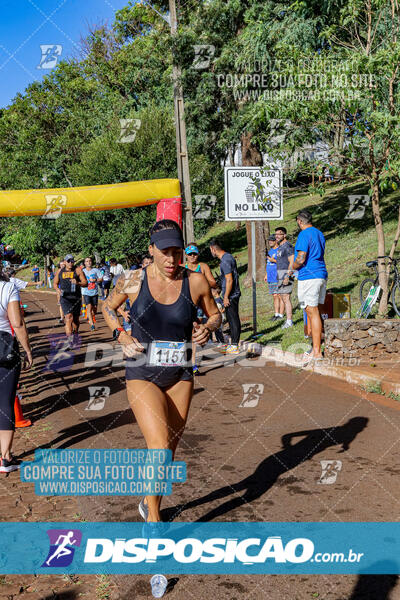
(112, 315)
(214, 322)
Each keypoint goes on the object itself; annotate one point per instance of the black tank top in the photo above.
(65, 278)
(152, 320)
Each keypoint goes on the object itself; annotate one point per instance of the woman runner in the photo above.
(164, 298)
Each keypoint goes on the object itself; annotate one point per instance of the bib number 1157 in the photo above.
(167, 354)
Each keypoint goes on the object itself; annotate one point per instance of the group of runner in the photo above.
(171, 307)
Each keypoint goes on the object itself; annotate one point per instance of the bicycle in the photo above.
(370, 289)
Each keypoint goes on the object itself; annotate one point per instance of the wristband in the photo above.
(117, 332)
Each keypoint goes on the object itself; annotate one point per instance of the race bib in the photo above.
(67, 275)
(167, 354)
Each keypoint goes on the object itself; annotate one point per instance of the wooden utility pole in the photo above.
(181, 142)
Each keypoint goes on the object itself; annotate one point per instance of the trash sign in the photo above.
(253, 194)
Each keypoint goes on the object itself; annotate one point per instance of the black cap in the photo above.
(167, 238)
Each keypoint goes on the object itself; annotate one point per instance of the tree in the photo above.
(352, 75)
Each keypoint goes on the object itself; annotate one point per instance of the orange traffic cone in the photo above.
(19, 417)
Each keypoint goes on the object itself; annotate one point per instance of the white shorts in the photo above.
(311, 292)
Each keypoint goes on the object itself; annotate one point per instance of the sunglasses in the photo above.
(70, 260)
(192, 254)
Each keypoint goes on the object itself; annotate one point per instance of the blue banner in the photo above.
(203, 548)
(111, 472)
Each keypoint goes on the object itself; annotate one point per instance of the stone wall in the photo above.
(372, 338)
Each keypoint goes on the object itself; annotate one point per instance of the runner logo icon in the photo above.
(98, 395)
(252, 393)
(63, 543)
(203, 53)
(330, 470)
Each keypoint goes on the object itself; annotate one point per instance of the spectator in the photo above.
(327, 173)
(133, 262)
(20, 284)
(10, 319)
(106, 281)
(271, 277)
(116, 269)
(146, 260)
(284, 265)
(36, 274)
(310, 263)
(219, 334)
(230, 293)
(50, 277)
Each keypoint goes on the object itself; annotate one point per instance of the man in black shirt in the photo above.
(230, 292)
(70, 280)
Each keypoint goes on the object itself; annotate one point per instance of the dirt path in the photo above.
(240, 467)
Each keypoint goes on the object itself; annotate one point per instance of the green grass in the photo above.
(375, 387)
(350, 244)
(103, 591)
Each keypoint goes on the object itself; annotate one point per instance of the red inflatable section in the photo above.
(170, 208)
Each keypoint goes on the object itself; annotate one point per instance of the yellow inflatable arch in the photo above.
(53, 202)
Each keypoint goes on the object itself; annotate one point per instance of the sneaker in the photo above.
(6, 466)
(196, 370)
(221, 347)
(287, 325)
(92, 327)
(232, 349)
(61, 321)
(143, 510)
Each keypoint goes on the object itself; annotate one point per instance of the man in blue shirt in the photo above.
(230, 291)
(312, 276)
(91, 293)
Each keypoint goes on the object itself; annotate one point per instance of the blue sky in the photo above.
(25, 25)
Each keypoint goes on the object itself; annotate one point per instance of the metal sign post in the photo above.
(254, 274)
(253, 194)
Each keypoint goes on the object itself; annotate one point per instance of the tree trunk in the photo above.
(252, 157)
(396, 237)
(383, 276)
